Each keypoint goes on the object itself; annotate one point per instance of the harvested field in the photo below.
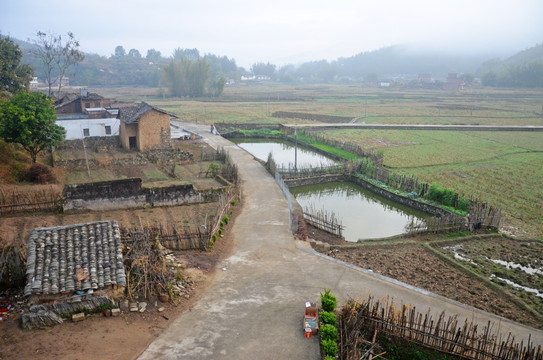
(414, 265)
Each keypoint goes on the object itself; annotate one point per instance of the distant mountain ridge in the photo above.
(398, 61)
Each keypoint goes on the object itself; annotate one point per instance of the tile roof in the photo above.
(56, 255)
(67, 99)
(132, 114)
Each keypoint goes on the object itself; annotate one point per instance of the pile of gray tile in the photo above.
(57, 255)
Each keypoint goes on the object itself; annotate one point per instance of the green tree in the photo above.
(263, 69)
(489, 79)
(134, 53)
(216, 87)
(186, 77)
(153, 55)
(120, 51)
(29, 119)
(13, 75)
(468, 78)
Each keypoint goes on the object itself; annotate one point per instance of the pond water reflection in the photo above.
(283, 153)
(364, 214)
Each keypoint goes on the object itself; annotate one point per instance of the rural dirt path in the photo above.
(254, 307)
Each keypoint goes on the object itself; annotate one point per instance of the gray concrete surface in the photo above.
(254, 307)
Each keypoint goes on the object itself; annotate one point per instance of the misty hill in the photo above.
(394, 60)
(524, 69)
(131, 68)
(527, 56)
(128, 68)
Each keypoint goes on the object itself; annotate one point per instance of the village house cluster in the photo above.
(138, 126)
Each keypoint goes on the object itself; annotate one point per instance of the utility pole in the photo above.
(296, 152)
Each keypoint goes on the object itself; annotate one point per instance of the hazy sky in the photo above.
(281, 31)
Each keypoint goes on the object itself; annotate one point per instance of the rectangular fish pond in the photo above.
(364, 214)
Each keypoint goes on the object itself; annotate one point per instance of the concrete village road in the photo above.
(254, 307)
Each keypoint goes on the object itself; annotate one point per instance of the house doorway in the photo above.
(132, 144)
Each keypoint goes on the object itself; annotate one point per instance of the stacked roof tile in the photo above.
(57, 255)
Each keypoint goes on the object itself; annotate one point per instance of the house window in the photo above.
(87, 105)
(108, 130)
(86, 132)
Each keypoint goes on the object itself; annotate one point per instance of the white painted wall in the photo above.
(97, 127)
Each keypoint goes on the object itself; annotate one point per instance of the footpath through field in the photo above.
(254, 307)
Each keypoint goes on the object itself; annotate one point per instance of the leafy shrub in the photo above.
(226, 219)
(328, 357)
(214, 238)
(220, 232)
(213, 169)
(41, 174)
(222, 223)
(329, 347)
(270, 164)
(233, 202)
(329, 332)
(327, 318)
(447, 197)
(328, 301)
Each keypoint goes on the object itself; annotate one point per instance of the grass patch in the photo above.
(156, 175)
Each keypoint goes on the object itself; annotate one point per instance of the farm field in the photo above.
(501, 168)
(396, 105)
(410, 261)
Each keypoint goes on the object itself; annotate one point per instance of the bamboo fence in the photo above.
(465, 340)
(324, 220)
(23, 201)
(171, 237)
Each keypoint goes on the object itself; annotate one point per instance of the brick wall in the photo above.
(153, 128)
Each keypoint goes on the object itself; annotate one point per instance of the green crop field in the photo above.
(502, 168)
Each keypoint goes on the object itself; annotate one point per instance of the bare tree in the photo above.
(57, 55)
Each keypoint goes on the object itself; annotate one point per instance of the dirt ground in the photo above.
(414, 265)
(123, 337)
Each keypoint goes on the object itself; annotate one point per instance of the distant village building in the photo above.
(425, 79)
(143, 126)
(76, 104)
(64, 82)
(85, 114)
(34, 83)
(453, 82)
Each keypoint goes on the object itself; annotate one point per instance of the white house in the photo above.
(81, 128)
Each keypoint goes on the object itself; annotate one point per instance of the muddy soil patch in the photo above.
(414, 265)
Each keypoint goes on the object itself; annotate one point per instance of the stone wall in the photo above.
(431, 209)
(92, 143)
(104, 195)
(128, 193)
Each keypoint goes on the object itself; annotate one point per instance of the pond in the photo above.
(283, 153)
(364, 214)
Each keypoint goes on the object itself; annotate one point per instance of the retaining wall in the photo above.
(431, 209)
(128, 193)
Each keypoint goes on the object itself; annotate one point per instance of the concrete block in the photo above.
(78, 317)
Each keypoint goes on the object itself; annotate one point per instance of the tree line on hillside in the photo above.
(132, 68)
(522, 70)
